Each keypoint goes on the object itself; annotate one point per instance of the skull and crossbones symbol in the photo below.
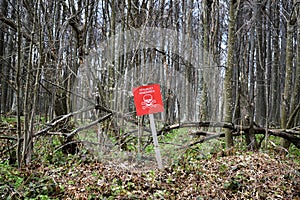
(148, 101)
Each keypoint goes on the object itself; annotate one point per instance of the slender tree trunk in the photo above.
(3, 64)
(275, 81)
(260, 105)
(250, 138)
(27, 141)
(285, 109)
(268, 73)
(204, 93)
(228, 82)
(18, 89)
(296, 95)
(296, 86)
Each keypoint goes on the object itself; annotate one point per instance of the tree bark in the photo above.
(228, 82)
(18, 89)
(286, 101)
(275, 80)
(3, 64)
(296, 86)
(260, 105)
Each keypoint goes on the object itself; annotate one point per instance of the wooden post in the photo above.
(155, 142)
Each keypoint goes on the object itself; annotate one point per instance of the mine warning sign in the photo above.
(147, 99)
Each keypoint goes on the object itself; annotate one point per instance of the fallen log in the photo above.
(291, 135)
(238, 130)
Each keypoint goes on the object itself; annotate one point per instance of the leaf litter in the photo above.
(244, 176)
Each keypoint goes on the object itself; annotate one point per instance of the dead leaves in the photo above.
(245, 176)
(256, 176)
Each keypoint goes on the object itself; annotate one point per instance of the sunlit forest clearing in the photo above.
(81, 115)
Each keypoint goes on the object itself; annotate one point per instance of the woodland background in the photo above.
(56, 82)
(253, 47)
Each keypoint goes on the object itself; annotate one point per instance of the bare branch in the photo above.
(88, 126)
(59, 119)
(13, 25)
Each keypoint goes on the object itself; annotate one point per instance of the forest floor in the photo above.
(265, 174)
(242, 176)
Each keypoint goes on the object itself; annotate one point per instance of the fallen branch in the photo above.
(70, 135)
(292, 138)
(200, 125)
(8, 138)
(214, 136)
(288, 134)
(54, 122)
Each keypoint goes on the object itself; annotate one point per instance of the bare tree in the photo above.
(230, 65)
(286, 101)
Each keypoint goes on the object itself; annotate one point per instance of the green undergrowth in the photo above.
(191, 175)
(189, 171)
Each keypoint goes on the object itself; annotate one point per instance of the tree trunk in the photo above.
(286, 101)
(4, 67)
(296, 94)
(204, 93)
(260, 105)
(250, 137)
(18, 89)
(228, 82)
(275, 80)
(296, 85)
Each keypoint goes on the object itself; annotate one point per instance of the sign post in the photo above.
(148, 100)
(155, 142)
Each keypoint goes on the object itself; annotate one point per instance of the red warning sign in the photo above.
(147, 99)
